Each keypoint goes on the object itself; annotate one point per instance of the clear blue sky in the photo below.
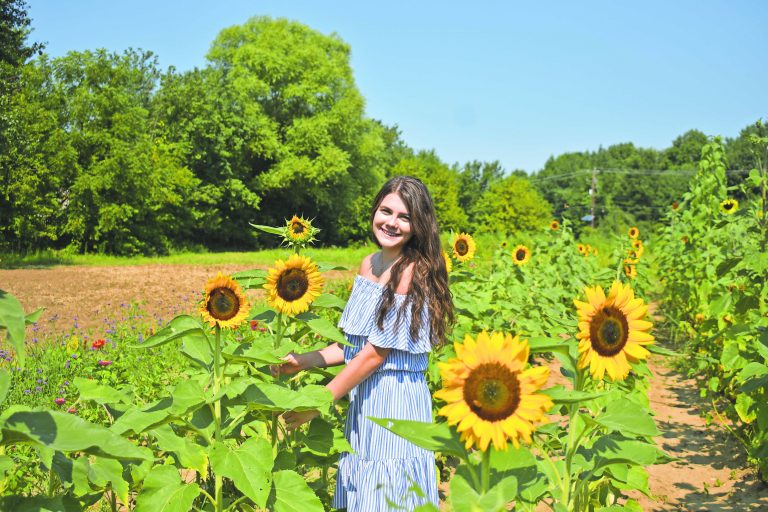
(505, 80)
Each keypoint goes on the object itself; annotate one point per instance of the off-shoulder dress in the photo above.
(381, 472)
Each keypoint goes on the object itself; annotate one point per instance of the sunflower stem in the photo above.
(485, 469)
(570, 448)
(218, 483)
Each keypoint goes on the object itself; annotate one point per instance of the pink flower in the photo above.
(60, 401)
(71, 410)
(98, 344)
(102, 362)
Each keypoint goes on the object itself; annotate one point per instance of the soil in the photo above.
(710, 472)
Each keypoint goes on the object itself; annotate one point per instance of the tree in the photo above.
(511, 205)
(307, 146)
(474, 180)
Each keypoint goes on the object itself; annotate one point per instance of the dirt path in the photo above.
(709, 475)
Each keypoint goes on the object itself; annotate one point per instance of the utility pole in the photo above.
(593, 193)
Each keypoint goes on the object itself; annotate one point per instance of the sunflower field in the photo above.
(541, 394)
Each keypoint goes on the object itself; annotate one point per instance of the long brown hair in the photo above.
(429, 285)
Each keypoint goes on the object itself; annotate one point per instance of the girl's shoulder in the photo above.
(366, 271)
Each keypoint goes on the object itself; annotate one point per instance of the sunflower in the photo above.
(611, 331)
(463, 247)
(299, 231)
(594, 251)
(685, 239)
(489, 394)
(630, 261)
(521, 255)
(293, 285)
(637, 245)
(581, 248)
(729, 206)
(634, 232)
(675, 205)
(630, 270)
(504, 244)
(224, 302)
(554, 225)
(448, 262)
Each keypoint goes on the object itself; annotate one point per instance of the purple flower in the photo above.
(60, 401)
(66, 365)
(66, 383)
(103, 362)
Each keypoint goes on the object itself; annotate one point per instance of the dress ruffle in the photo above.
(359, 319)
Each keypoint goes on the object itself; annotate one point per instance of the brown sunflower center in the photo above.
(462, 247)
(492, 391)
(297, 228)
(520, 254)
(223, 304)
(608, 331)
(292, 284)
(727, 206)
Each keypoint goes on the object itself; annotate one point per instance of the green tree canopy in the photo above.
(511, 205)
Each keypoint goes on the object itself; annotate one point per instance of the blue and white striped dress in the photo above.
(378, 475)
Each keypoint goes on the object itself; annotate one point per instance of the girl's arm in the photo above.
(332, 355)
(357, 370)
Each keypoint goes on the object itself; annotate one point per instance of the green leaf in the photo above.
(745, 408)
(5, 384)
(186, 397)
(199, 351)
(325, 267)
(6, 463)
(163, 491)
(438, 437)
(726, 266)
(562, 395)
(269, 229)
(12, 319)
(628, 418)
(327, 300)
(246, 352)
(67, 433)
(654, 348)
(106, 473)
(40, 504)
(99, 393)
(34, 316)
(319, 438)
(183, 326)
(326, 329)
(614, 449)
(292, 494)
(249, 466)
(250, 279)
(189, 454)
(272, 397)
(265, 315)
(539, 345)
(463, 497)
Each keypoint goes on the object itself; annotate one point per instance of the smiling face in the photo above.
(392, 223)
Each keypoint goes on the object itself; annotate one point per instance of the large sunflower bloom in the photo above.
(612, 331)
(224, 302)
(463, 247)
(729, 206)
(633, 232)
(554, 225)
(489, 394)
(293, 285)
(521, 255)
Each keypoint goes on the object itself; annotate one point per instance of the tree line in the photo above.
(106, 152)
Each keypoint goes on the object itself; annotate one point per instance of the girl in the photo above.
(399, 308)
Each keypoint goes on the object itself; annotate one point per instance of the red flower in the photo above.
(71, 410)
(98, 344)
(59, 401)
(102, 362)
(254, 324)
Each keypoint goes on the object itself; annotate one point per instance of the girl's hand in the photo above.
(291, 366)
(295, 419)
